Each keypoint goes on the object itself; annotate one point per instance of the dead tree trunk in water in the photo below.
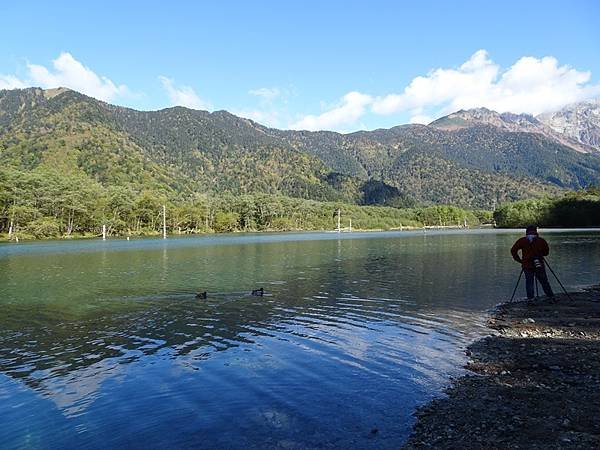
(70, 223)
(164, 214)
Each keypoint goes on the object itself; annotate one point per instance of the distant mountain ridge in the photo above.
(475, 158)
(510, 122)
(579, 121)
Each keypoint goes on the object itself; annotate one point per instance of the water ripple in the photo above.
(111, 348)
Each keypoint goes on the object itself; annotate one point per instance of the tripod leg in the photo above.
(561, 285)
(516, 285)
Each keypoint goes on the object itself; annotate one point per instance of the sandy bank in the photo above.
(535, 383)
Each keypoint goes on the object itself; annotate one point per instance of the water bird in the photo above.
(258, 292)
(201, 295)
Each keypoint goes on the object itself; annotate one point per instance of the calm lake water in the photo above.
(103, 345)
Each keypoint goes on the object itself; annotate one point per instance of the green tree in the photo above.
(226, 222)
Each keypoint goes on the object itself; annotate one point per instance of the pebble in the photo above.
(569, 390)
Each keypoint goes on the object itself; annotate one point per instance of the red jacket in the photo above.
(529, 251)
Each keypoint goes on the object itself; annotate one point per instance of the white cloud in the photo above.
(268, 118)
(183, 95)
(11, 82)
(531, 85)
(351, 108)
(420, 118)
(66, 71)
(265, 93)
(271, 109)
(69, 72)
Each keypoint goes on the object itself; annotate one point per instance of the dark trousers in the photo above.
(540, 274)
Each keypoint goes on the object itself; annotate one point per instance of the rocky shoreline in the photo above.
(534, 383)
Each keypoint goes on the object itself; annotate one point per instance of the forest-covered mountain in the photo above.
(182, 151)
(177, 150)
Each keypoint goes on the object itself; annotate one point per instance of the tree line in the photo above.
(576, 209)
(46, 203)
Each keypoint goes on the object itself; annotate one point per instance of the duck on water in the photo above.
(255, 292)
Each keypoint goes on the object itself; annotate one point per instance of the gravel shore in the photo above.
(535, 383)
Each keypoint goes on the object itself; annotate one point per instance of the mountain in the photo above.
(510, 122)
(436, 166)
(475, 158)
(579, 121)
(178, 150)
(483, 116)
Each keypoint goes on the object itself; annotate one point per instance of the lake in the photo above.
(103, 344)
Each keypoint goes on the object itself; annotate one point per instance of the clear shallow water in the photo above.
(102, 344)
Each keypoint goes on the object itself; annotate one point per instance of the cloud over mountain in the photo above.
(181, 95)
(531, 85)
(66, 71)
(351, 108)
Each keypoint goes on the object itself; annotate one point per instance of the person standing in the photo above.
(533, 249)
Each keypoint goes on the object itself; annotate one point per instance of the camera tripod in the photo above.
(536, 282)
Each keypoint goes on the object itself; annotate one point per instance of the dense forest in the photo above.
(44, 203)
(577, 209)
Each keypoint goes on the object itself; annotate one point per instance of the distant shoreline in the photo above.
(4, 236)
(411, 230)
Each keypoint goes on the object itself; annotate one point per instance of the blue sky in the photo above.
(313, 65)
